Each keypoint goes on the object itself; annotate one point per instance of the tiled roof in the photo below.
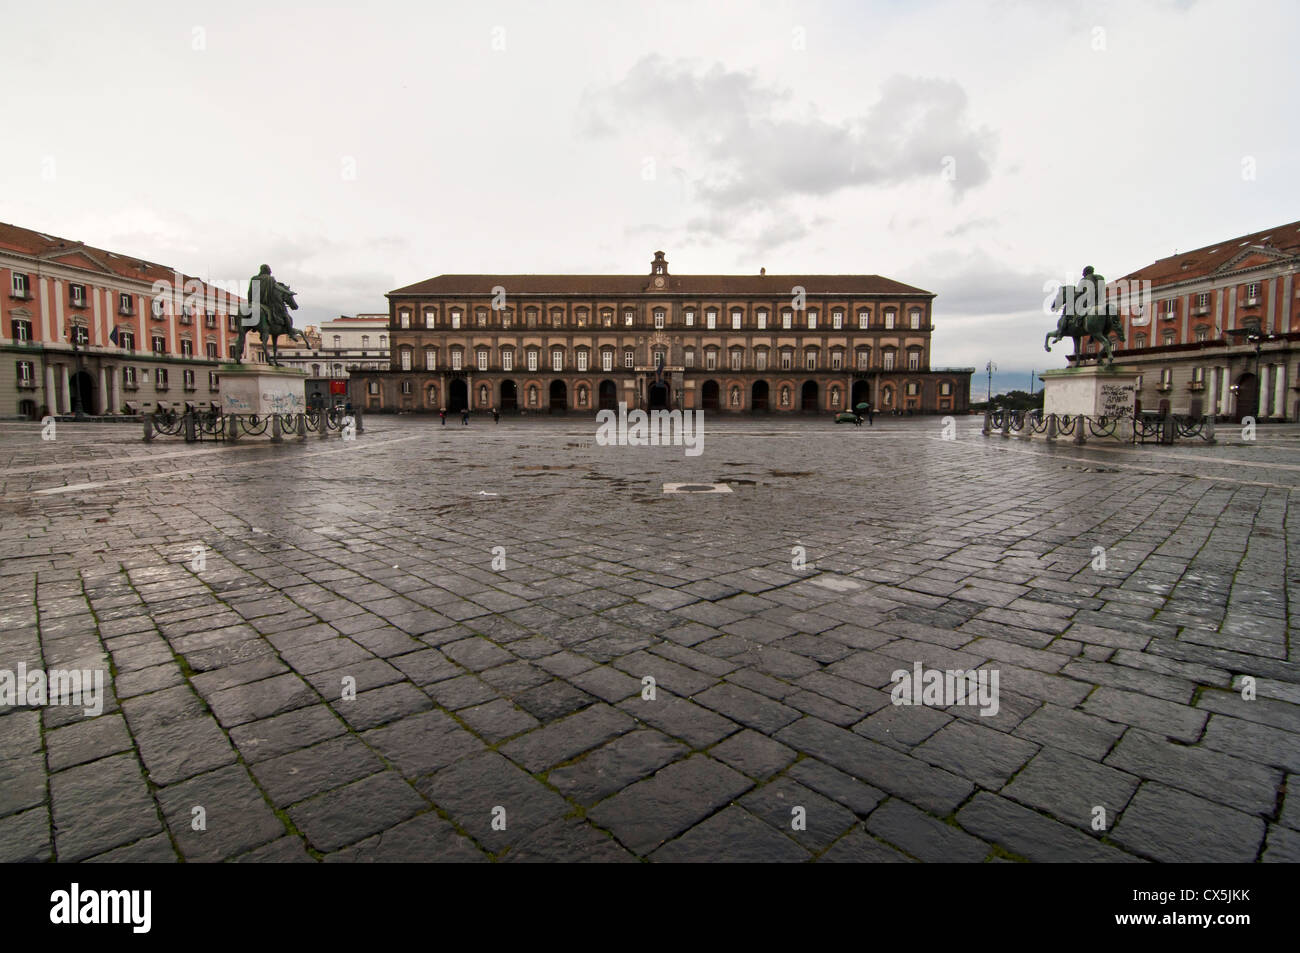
(75, 254)
(1201, 262)
(604, 286)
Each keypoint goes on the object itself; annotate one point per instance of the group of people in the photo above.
(464, 416)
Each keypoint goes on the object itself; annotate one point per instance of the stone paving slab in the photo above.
(350, 674)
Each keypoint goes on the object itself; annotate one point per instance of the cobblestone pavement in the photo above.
(503, 713)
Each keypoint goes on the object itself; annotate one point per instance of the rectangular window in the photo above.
(213, 380)
(557, 360)
(736, 359)
(1202, 334)
(1203, 300)
(810, 362)
(710, 360)
(1198, 375)
(786, 360)
(945, 388)
(482, 360)
(836, 361)
(916, 320)
(762, 320)
(160, 378)
(628, 317)
(406, 319)
(429, 320)
(430, 360)
(457, 357)
(187, 349)
(736, 318)
(532, 360)
(482, 318)
(124, 306)
(864, 360)
(889, 320)
(864, 320)
(760, 361)
(188, 378)
(22, 330)
(507, 360)
(607, 360)
(26, 374)
(77, 293)
(1252, 292)
(812, 320)
(159, 344)
(129, 378)
(690, 319)
(785, 320)
(659, 320)
(689, 357)
(711, 319)
(455, 318)
(582, 360)
(211, 349)
(889, 361)
(127, 339)
(629, 358)
(913, 361)
(837, 320)
(406, 360)
(373, 387)
(81, 335)
(18, 286)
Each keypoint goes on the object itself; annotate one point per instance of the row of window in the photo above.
(21, 331)
(1168, 307)
(20, 287)
(26, 371)
(910, 389)
(708, 320)
(711, 359)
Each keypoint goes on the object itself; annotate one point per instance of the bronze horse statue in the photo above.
(272, 321)
(1095, 324)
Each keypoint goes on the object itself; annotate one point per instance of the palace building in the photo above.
(104, 333)
(1216, 330)
(733, 343)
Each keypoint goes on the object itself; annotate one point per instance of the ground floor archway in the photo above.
(657, 395)
(758, 397)
(559, 397)
(709, 395)
(457, 396)
(1247, 396)
(861, 394)
(509, 397)
(808, 397)
(608, 395)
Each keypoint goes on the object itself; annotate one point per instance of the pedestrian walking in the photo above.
(443, 414)
(871, 416)
(496, 416)
(464, 416)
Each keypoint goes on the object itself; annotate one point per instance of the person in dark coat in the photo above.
(464, 417)
(496, 416)
(443, 414)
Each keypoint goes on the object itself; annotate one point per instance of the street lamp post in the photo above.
(990, 367)
(76, 375)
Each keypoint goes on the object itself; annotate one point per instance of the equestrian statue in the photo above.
(269, 304)
(1086, 313)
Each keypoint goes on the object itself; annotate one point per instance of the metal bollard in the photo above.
(1079, 424)
(232, 427)
(276, 436)
(302, 426)
(148, 428)
(1051, 427)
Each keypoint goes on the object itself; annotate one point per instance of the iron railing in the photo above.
(195, 426)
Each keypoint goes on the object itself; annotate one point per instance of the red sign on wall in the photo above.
(338, 387)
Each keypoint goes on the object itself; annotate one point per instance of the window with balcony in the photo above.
(914, 318)
(26, 374)
(211, 350)
(837, 320)
(159, 344)
(628, 318)
(887, 361)
(187, 349)
(787, 361)
(711, 319)
(688, 357)
(77, 295)
(187, 379)
(760, 360)
(810, 361)
(864, 320)
(710, 360)
(430, 319)
(582, 360)
(786, 320)
(532, 360)
(19, 286)
(812, 320)
(629, 358)
(455, 317)
(889, 320)
(507, 360)
(913, 360)
(760, 318)
(606, 360)
(482, 360)
(737, 359)
(124, 305)
(837, 361)
(160, 379)
(864, 360)
(457, 360)
(405, 358)
(22, 330)
(557, 360)
(736, 318)
(688, 317)
(659, 320)
(480, 317)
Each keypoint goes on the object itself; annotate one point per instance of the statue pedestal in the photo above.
(262, 389)
(1093, 391)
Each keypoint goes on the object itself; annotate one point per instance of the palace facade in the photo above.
(734, 343)
(105, 333)
(1216, 330)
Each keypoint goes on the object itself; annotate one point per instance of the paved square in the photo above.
(508, 642)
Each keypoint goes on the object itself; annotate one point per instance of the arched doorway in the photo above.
(509, 397)
(861, 394)
(808, 397)
(608, 396)
(758, 397)
(559, 397)
(1247, 396)
(457, 397)
(709, 395)
(657, 396)
(84, 386)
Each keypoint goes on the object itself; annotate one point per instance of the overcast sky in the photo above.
(976, 150)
